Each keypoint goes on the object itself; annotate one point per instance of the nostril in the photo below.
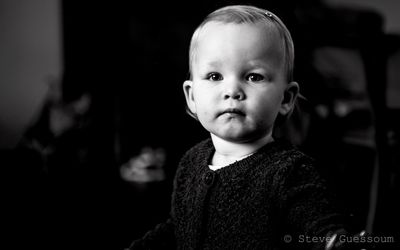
(234, 93)
(238, 96)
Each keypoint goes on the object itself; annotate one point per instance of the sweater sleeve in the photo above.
(161, 237)
(309, 207)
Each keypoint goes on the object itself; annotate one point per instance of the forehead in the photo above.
(246, 40)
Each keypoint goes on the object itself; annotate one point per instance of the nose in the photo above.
(233, 89)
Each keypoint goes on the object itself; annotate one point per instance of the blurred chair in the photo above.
(388, 217)
(342, 63)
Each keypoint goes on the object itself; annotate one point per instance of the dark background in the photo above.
(132, 58)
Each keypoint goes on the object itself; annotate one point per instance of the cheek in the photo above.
(202, 97)
(268, 109)
(201, 103)
(204, 114)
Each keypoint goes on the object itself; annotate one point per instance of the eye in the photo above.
(214, 76)
(253, 77)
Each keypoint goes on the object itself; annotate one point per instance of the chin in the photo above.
(243, 137)
(238, 138)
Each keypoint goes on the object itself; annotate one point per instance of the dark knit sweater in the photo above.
(250, 204)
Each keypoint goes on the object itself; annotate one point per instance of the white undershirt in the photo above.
(214, 167)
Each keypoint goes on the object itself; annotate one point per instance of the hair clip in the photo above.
(269, 15)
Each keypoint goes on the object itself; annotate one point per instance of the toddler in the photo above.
(242, 188)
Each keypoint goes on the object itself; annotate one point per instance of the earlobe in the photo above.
(289, 98)
(188, 91)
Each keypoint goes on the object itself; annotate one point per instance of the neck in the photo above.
(227, 152)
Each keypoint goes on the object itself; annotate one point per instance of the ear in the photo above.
(289, 98)
(188, 91)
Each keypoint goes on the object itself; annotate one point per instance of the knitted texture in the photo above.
(250, 204)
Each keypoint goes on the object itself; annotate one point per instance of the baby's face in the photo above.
(238, 80)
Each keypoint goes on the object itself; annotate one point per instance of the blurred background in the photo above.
(93, 123)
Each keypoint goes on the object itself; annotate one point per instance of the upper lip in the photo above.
(232, 110)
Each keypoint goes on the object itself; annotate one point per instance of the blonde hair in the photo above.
(248, 14)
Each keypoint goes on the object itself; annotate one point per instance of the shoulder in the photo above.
(291, 164)
(286, 155)
(196, 157)
(296, 177)
(198, 153)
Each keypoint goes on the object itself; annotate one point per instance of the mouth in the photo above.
(232, 111)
